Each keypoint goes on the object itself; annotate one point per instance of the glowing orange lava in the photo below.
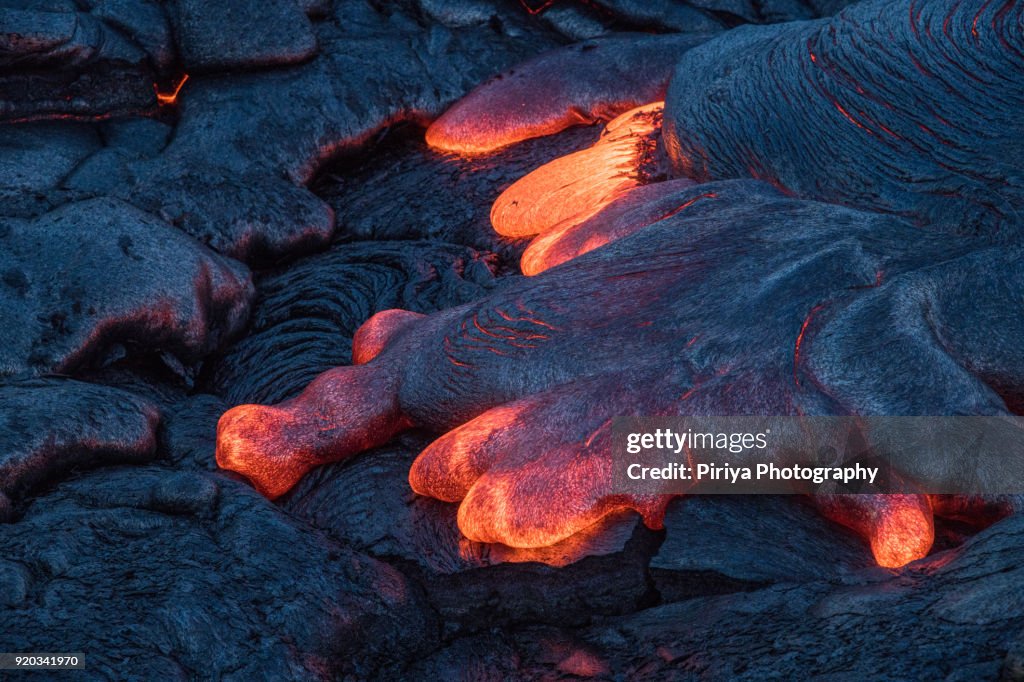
(517, 485)
(634, 210)
(485, 138)
(518, 490)
(447, 469)
(572, 188)
(342, 412)
(374, 334)
(900, 528)
(166, 99)
(511, 511)
(551, 249)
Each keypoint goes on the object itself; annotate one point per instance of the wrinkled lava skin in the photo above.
(873, 278)
(908, 107)
(528, 378)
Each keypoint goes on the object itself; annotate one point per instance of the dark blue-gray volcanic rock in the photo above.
(576, 22)
(670, 15)
(35, 160)
(908, 108)
(145, 22)
(60, 60)
(951, 330)
(49, 427)
(691, 15)
(162, 575)
(305, 314)
(243, 146)
(173, 572)
(368, 67)
(98, 279)
(241, 34)
(480, 658)
(188, 431)
(738, 543)
(952, 619)
(957, 616)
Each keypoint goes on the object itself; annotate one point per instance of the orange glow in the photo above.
(903, 534)
(515, 492)
(377, 332)
(447, 469)
(540, 8)
(454, 133)
(977, 510)
(548, 502)
(581, 663)
(246, 443)
(900, 528)
(572, 188)
(554, 248)
(630, 213)
(591, 541)
(342, 412)
(522, 104)
(509, 510)
(166, 99)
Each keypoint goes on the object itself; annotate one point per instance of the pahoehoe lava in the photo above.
(209, 204)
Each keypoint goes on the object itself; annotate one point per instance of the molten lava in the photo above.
(374, 334)
(450, 466)
(512, 490)
(581, 84)
(342, 412)
(521, 486)
(530, 464)
(572, 188)
(166, 99)
(633, 211)
(582, 201)
(900, 528)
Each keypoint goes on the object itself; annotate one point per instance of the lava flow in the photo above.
(342, 412)
(701, 306)
(564, 193)
(589, 82)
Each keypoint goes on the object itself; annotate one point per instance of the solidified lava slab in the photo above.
(48, 427)
(184, 572)
(60, 61)
(64, 310)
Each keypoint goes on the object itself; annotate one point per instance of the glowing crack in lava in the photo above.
(677, 298)
(168, 99)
